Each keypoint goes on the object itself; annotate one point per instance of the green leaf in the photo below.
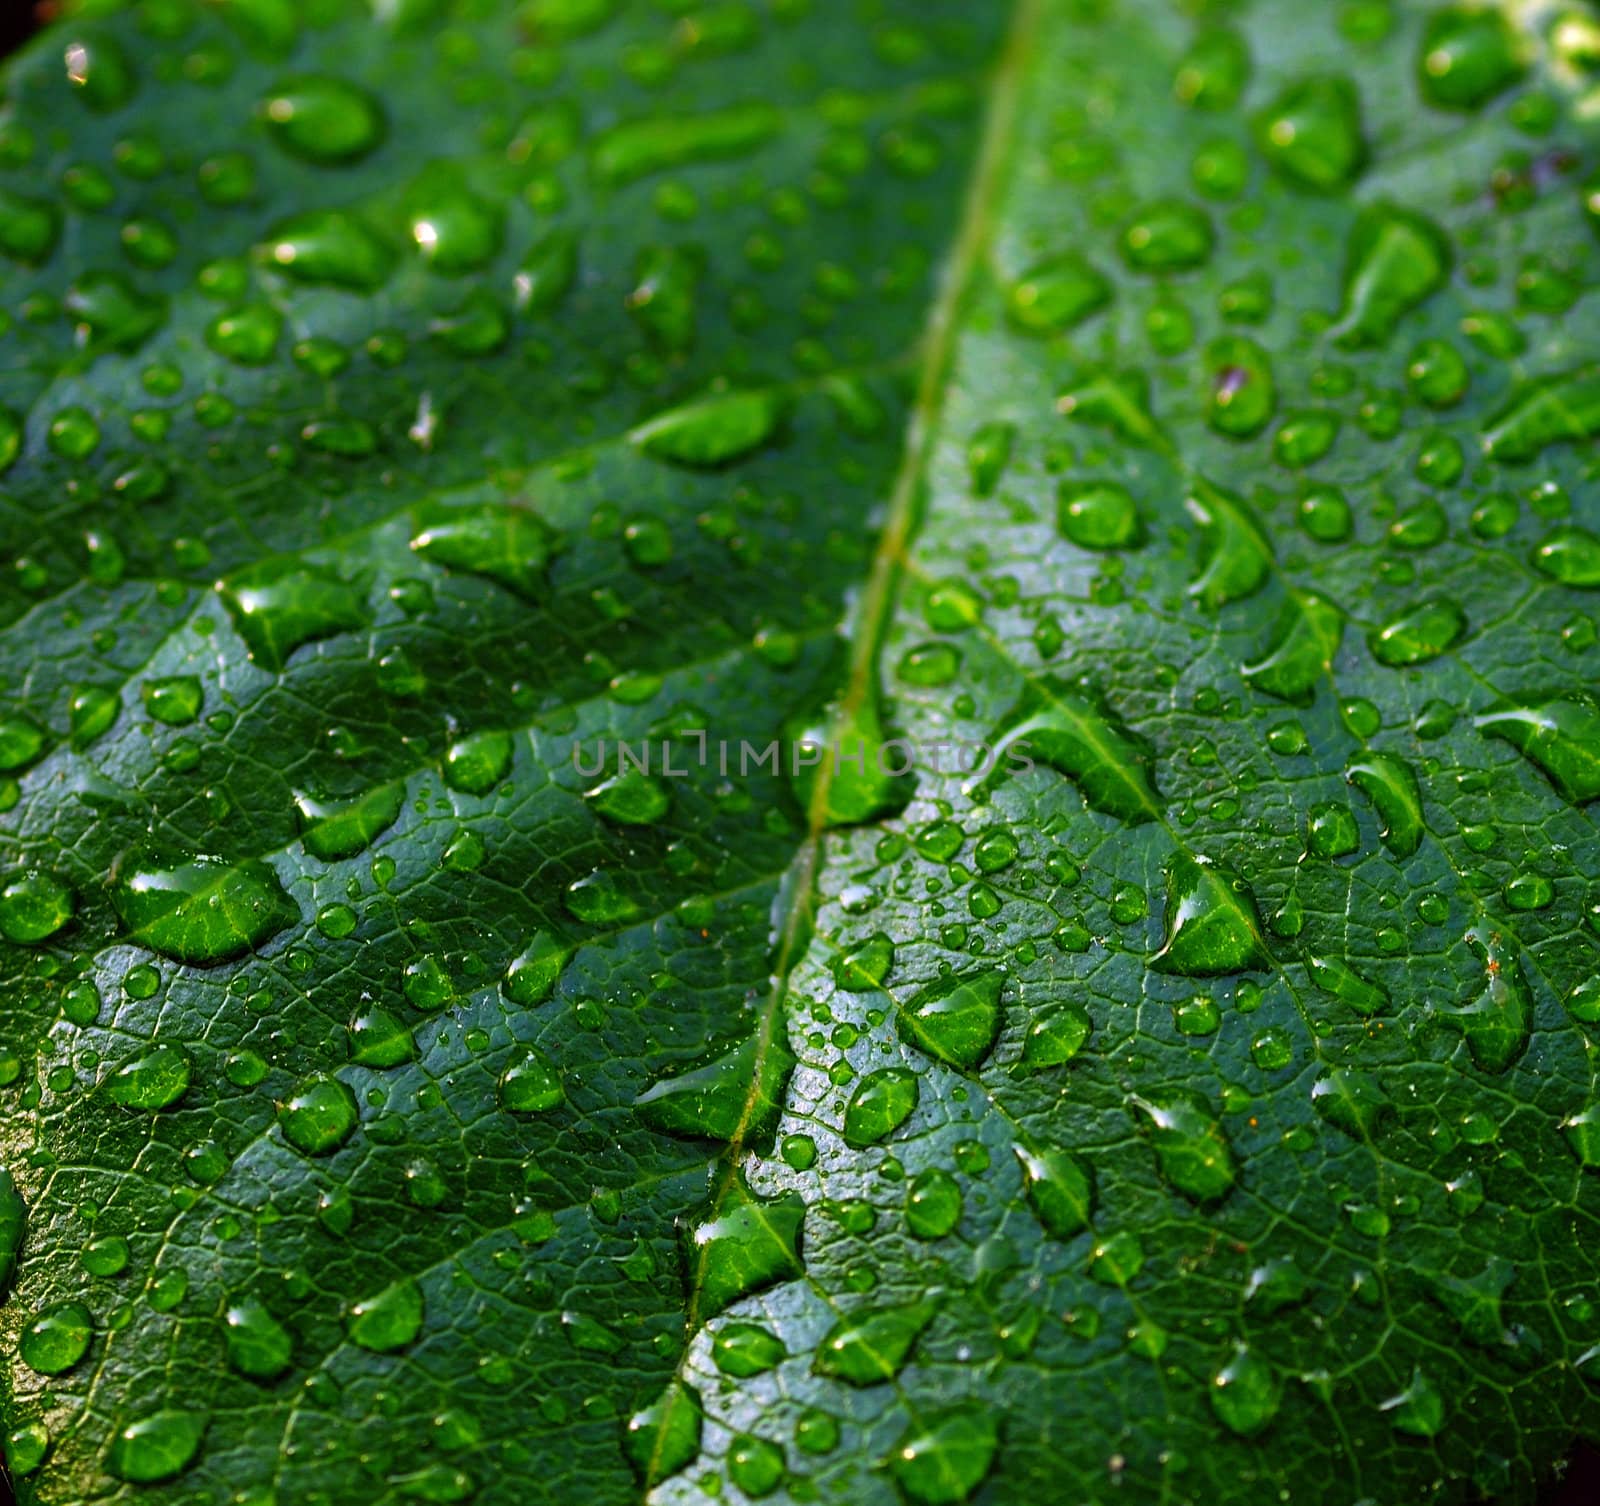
(789, 750)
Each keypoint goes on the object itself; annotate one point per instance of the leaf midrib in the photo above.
(961, 273)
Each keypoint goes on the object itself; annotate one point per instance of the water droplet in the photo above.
(955, 1019)
(1352, 1101)
(743, 1244)
(533, 974)
(1212, 924)
(1059, 1187)
(1167, 236)
(745, 1349)
(943, 1456)
(531, 1084)
(1062, 728)
(1241, 390)
(278, 607)
(322, 119)
(1418, 634)
(101, 72)
(547, 272)
(154, 1080)
(34, 907)
(1468, 55)
(662, 1438)
(933, 1203)
(712, 431)
(882, 1102)
(1396, 260)
(1300, 653)
(1419, 1409)
(157, 1447)
(866, 1349)
(1098, 515)
(1498, 1023)
(330, 248)
(1391, 785)
(629, 798)
(1214, 71)
(205, 911)
(988, 455)
(333, 830)
(257, 1344)
(1191, 1150)
(28, 227)
(1056, 1033)
(378, 1039)
(510, 545)
(1570, 556)
(320, 1116)
(1246, 1393)
(658, 143)
(108, 313)
(738, 1095)
(1312, 133)
(1552, 410)
(57, 1339)
(388, 1321)
(1056, 295)
(174, 700)
(1338, 978)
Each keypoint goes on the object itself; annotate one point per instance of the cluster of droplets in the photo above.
(968, 1021)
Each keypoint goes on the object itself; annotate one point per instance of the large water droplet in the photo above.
(1059, 1187)
(1570, 556)
(1469, 54)
(388, 1321)
(1057, 294)
(868, 1348)
(1498, 1023)
(1338, 978)
(157, 1447)
(278, 607)
(1352, 1101)
(320, 1116)
(955, 1019)
(742, 1244)
(1396, 259)
(322, 119)
(1065, 730)
(663, 1437)
(1391, 785)
(1419, 634)
(739, 1095)
(332, 830)
(510, 545)
(1312, 133)
(1191, 1150)
(638, 148)
(882, 1102)
(153, 1080)
(1235, 556)
(257, 1344)
(1212, 927)
(1299, 655)
(57, 1339)
(712, 431)
(943, 1456)
(1552, 410)
(329, 247)
(206, 911)
(1246, 1393)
